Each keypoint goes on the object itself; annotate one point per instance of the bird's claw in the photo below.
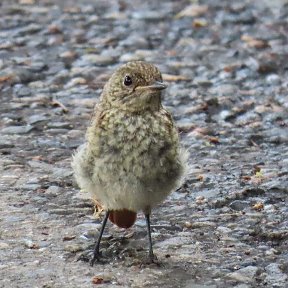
(151, 259)
(97, 258)
(83, 258)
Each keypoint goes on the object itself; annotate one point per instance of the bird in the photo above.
(132, 158)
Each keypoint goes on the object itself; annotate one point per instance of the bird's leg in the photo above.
(152, 257)
(96, 252)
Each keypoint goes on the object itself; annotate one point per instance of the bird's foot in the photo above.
(97, 257)
(151, 259)
(83, 257)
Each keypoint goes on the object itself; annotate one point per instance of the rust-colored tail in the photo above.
(123, 218)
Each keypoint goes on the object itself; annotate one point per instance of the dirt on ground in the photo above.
(227, 70)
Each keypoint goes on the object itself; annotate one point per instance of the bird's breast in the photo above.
(143, 146)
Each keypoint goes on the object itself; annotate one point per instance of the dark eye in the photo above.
(127, 80)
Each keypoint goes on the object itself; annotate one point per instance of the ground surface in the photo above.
(226, 65)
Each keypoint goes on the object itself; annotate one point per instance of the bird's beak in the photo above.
(157, 85)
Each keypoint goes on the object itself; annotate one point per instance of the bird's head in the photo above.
(134, 87)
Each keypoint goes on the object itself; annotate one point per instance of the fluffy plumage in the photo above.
(132, 158)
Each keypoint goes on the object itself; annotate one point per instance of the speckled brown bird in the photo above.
(132, 158)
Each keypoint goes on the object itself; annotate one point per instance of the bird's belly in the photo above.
(136, 178)
(133, 163)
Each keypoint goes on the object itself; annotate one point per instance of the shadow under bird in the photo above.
(132, 159)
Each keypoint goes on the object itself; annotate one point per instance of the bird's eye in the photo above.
(127, 80)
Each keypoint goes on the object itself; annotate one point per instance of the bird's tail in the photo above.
(123, 218)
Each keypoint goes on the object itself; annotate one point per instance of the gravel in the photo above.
(225, 63)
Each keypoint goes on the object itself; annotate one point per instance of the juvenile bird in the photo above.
(132, 158)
